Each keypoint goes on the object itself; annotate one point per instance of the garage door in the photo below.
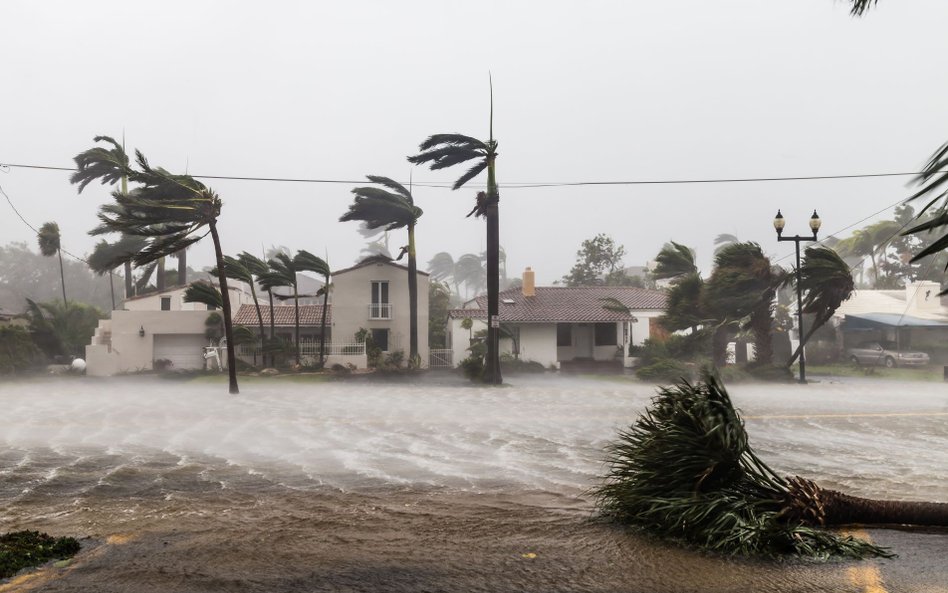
(185, 351)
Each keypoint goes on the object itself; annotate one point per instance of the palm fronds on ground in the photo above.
(685, 470)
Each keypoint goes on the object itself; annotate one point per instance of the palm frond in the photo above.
(391, 184)
(685, 470)
(307, 262)
(203, 292)
(48, 238)
(452, 140)
(471, 174)
(861, 6)
(254, 264)
(104, 164)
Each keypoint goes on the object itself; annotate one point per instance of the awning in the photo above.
(866, 321)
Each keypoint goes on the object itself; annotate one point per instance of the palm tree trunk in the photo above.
(806, 338)
(492, 364)
(322, 324)
(414, 359)
(182, 268)
(160, 271)
(719, 340)
(225, 298)
(272, 330)
(263, 337)
(62, 275)
(112, 289)
(296, 303)
(129, 284)
(813, 505)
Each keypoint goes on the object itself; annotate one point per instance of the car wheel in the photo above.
(889, 362)
(854, 360)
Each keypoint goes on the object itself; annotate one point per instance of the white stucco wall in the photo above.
(239, 294)
(130, 351)
(640, 328)
(353, 294)
(538, 343)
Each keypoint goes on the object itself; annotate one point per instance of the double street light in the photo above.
(815, 223)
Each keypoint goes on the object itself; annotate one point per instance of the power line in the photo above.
(526, 185)
(34, 229)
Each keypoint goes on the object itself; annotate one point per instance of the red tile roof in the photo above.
(581, 304)
(283, 315)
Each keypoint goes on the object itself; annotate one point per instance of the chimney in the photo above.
(529, 289)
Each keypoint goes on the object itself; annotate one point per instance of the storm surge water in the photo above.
(399, 471)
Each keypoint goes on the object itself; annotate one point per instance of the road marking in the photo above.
(866, 577)
(852, 415)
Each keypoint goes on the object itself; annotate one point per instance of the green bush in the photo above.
(473, 367)
(17, 350)
(666, 370)
(514, 366)
(25, 549)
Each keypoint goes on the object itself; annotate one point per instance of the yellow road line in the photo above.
(850, 415)
(866, 577)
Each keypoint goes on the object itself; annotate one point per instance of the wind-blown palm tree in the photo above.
(447, 150)
(257, 268)
(933, 180)
(307, 262)
(826, 281)
(673, 261)
(168, 210)
(283, 273)
(236, 270)
(442, 268)
(378, 208)
(861, 6)
(469, 270)
(723, 240)
(49, 245)
(107, 256)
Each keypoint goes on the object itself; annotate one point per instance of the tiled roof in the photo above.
(283, 315)
(376, 259)
(581, 304)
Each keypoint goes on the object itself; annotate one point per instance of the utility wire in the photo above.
(34, 229)
(524, 185)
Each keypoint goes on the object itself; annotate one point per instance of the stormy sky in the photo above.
(583, 91)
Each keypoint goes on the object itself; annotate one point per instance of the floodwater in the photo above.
(363, 486)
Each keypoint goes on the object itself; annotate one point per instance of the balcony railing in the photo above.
(380, 311)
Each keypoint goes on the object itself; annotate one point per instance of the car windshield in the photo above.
(889, 345)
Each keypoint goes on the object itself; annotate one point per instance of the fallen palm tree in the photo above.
(686, 471)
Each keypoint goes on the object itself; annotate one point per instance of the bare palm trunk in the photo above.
(322, 324)
(296, 303)
(182, 268)
(112, 289)
(225, 298)
(272, 330)
(62, 275)
(263, 337)
(492, 366)
(414, 358)
(719, 340)
(160, 270)
(814, 505)
(129, 284)
(806, 338)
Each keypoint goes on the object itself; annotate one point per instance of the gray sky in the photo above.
(584, 91)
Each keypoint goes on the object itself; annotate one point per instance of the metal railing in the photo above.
(311, 348)
(380, 311)
(441, 359)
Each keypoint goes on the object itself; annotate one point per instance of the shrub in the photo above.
(666, 370)
(25, 549)
(394, 359)
(17, 350)
(514, 365)
(473, 367)
(162, 364)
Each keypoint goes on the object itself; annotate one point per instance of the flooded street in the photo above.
(396, 487)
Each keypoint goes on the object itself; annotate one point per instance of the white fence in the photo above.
(441, 359)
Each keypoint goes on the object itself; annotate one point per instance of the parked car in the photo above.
(887, 354)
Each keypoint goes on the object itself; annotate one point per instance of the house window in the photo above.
(166, 303)
(380, 337)
(564, 334)
(212, 307)
(380, 308)
(606, 334)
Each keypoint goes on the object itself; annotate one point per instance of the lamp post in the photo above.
(815, 223)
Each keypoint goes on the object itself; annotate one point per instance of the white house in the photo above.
(154, 327)
(553, 325)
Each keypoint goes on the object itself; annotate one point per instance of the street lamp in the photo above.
(815, 223)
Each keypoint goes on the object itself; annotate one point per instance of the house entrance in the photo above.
(583, 340)
(380, 337)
